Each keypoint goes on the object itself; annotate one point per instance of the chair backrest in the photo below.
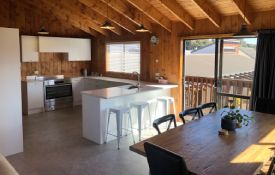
(212, 106)
(168, 118)
(265, 105)
(271, 169)
(163, 162)
(192, 111)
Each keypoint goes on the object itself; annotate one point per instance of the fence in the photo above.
(199, 90)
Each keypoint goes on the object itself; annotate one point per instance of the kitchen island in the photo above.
(95, 105)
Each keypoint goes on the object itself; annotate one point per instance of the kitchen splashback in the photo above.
(54, 64)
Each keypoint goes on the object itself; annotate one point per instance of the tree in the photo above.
(197, 44)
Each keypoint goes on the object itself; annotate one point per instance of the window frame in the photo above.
(122, 42)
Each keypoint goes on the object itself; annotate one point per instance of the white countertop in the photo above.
(113, 92)
(133, 82)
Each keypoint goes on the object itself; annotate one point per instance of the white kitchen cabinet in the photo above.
(29, 48)
(80, 49)
(11, 135)
(54, 44)
(33, 97)
(78, 86)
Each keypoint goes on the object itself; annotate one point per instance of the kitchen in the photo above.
(84, 80)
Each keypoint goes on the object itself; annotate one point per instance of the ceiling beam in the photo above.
(208, 11)
(115, 17)
(244, 10)
(152, 13)
(176, 9)
(74, 15)
(76, 7)
(131, 14)
(62, 17)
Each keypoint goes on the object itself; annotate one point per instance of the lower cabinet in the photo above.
(33, 97)
(78, 86)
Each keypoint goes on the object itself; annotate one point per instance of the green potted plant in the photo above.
(233, 118)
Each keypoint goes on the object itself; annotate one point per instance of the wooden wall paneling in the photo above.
(54, 64)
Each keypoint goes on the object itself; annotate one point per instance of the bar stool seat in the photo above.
(140, 106)
(167, 101)
(119, 114)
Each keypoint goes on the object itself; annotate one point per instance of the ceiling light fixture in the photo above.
(107, 25)
(141, 28)
(43, 31)
(244, 32)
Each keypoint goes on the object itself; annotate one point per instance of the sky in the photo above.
(251, 40)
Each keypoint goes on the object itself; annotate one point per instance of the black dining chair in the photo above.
(192, 111)
(168, 118)
(164, 162)
(212, 107)
(265, 105)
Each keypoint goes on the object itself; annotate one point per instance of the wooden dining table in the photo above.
(242, 152)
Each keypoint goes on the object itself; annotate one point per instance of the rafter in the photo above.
(62, 17)
(131, 14)
(243, 10)
(74, 15)
(152, 13)
(176, 9)
(101, 8)
(208, 11)
(85, 12)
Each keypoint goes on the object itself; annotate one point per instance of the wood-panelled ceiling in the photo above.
(127, 15)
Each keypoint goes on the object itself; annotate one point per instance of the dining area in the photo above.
(204, 145)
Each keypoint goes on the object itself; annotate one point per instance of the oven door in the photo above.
(58, 96)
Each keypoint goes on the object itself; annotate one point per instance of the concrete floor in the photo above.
(53, 145)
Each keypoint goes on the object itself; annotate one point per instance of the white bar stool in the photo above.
(167, 101)
(150, 102)
(140, 107)
(119, 113)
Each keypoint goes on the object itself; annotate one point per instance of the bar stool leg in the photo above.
(167, 107)
(174, 106)
(157, 104)
(139, 112)
(150, 117)
(119, 125)
(107, 131)
(131, 126)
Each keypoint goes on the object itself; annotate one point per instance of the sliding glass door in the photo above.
(219, 70)
(199, 72)
(235, 73)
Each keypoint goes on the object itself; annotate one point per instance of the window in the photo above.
(123, 57)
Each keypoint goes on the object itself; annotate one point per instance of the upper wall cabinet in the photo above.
(54, 44)
(77, 49)
(29, 48)
(80, 49)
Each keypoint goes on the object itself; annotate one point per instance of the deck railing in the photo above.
(199, 90)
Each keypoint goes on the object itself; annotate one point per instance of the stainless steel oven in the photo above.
(58, 94)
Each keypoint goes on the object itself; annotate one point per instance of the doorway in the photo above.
(219, 70)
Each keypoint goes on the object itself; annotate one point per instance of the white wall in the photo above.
(11, 134)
